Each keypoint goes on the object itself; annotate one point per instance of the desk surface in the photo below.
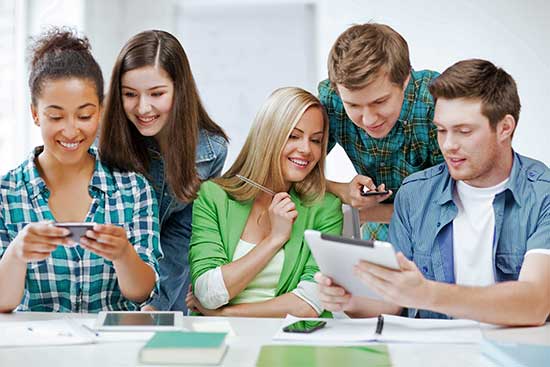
(251, 334)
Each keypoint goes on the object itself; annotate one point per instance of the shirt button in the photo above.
(405, 122)
(382, 164)
(425, 269)
(438, 224)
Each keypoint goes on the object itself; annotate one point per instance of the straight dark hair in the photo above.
(121, 145)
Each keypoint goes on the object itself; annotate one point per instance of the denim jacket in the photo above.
(422, 222)
(175, 219)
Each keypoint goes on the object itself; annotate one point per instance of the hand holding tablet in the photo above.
(336, 256)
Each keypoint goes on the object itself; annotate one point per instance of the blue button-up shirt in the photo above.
(422, 222)
(175, 219)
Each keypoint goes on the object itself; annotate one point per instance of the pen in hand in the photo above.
(257, 185)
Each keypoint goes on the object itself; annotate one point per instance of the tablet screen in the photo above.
(139, 319)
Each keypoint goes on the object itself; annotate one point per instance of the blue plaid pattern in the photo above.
(410, 146)
(73, 279)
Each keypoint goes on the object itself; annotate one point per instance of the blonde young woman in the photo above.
(248, 255)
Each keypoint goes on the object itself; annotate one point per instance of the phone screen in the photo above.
(304, 326)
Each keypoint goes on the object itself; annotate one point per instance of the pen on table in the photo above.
(90, 329)
(257, 185)
(379, 325)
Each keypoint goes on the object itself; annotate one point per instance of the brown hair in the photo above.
(480, 79)
(60, 53)
(260, 157)
(363, 51)
(123, 147)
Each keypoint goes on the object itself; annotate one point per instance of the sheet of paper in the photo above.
(115, 336)
(42, 333)
(396, 329)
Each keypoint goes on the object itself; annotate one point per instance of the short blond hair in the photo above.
(260, 157)
(363, 51)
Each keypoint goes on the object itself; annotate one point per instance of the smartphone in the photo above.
(372, 192)
(304, 326)
(77, 229)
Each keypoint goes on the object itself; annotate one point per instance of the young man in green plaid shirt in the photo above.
(381, 113)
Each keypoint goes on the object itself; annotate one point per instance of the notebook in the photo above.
(387, 328)
(184, 347)
(304, 356)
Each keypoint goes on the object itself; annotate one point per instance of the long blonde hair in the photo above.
(260, 157)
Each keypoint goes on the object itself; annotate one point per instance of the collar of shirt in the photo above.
(204, 151)
(102, 180)
(513, 185)
(409, 97)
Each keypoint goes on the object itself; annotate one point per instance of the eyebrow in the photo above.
(79, 107)
(155, 87)
(463, 124)
(318, 132)
(377, 99)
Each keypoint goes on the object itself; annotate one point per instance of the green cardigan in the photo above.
(219, 220)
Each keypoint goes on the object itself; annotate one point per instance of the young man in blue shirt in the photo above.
(474, 233)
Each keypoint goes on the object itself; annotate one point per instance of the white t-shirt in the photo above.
(473, 233)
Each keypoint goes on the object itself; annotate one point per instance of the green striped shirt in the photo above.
(410, 146)
(73, 279)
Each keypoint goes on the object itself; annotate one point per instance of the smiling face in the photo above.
(474, 152)
(374, 108)
(147, 95)
(68, 113)
(304, 146)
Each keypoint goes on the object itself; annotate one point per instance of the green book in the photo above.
(304, 356)
(183, 347)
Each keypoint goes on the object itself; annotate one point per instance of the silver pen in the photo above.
(256, 185)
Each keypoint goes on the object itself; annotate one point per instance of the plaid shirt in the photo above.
(410, 146)
(73, 279)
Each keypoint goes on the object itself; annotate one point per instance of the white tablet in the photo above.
(336, 257)
(139, 321)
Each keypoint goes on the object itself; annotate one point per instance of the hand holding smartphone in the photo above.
(78, 229)
(366, 192)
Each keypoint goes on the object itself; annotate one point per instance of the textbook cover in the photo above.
(184, 347)
(305, 356)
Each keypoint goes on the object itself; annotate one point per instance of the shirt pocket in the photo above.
(424, 264)
(415, 164)
(508, 266)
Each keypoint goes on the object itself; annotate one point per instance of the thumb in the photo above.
(404, 263)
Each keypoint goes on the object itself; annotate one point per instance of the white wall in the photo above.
(513, 34)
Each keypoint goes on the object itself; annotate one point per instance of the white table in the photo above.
(251, 334)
